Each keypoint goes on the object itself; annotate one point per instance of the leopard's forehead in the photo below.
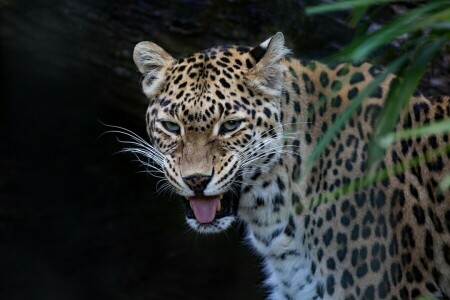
(204, 86)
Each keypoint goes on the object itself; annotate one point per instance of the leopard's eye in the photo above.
(229, 126)
(171, 127)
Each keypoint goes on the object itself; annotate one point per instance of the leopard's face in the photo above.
(212, 126)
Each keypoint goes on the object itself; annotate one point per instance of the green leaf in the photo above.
(342, 5)
(399, 94)
(444, 185)
(436, 128)
(357, 14)
(417, 19)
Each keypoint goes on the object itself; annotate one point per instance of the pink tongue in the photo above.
(204, 208)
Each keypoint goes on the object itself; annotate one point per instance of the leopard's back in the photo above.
(382, 236)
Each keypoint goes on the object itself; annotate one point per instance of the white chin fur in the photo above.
(216, 226)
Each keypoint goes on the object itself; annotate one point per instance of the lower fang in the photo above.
(219, 206)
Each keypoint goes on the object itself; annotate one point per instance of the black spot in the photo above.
(419, 214)
(280, 184)
(363, 252)
(436, 221)
(360, 199)
(324, 79)
(377, 93)
(164, 102)
(354, 258)
(417, 274)
(330, 285)
(433, 142)
(352, 93)
(293, 73)
(368, 218)
(220, 95)
(327, 237)
(356, 78)
(278, 201)
(418, 108)
(446, 252)
(319, 290)
(429, 251)
(361, 271)
(347, 279)
(355, 233)
(336, 85)
(295, 88)
(248, 63)
(396, 273)
(290, 227)
(407, 237)
(343, 71)
(295, 198)
(369, 293)
(342, 253)
(406, 258)
(375, 264)
(224, 83)
(431, 287)
(307, 219)
(309, 85)
(447, 219)
(267, 112)
(380, 200)
(404, 294)
(308, 138)
(415, 293)
(331, 265)
(180, 94)
(336, 101)
(260, 201)
(436, 165)
(320, 254)
(297, 106)
(247, 189)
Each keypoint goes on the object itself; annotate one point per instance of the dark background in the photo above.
(77, 221)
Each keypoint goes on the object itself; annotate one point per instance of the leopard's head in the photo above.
(214, 122)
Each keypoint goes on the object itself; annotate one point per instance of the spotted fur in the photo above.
(325, 234)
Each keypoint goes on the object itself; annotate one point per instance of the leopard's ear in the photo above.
(153, 62)
(267, 74)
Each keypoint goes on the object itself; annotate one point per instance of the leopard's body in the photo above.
(320, 236)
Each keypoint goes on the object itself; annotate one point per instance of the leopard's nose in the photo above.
(197, 182)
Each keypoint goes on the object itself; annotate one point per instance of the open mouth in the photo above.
(206, 209)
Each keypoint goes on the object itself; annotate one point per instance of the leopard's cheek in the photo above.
(173, 174)
(227, 171)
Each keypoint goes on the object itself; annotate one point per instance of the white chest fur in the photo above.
(280, 241)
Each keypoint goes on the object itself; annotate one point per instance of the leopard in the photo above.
(232, 130)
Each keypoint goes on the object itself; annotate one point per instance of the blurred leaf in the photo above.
(343, 5)
(424, 30)
(414, 20)
(441, 25)
(351, 108)
(436, 128)
(444, 185)
(382, 174)
(357, 14)
(399, 94)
